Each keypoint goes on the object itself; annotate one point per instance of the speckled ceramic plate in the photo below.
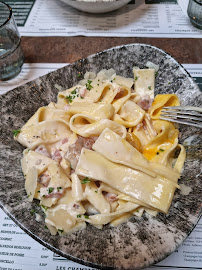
(140, 241)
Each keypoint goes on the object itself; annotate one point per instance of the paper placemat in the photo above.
(18, 251)
(139, 18)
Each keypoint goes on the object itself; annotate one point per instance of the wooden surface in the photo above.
(70, 49)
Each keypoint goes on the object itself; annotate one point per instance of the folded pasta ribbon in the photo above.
(113, 147)
(160, 101)
(63, 216)
(129, 115)
(95, 110)
(156, 192)
(87, 126)
(121, 97)
(144, 82)
(163, 143)
(45, 132)
(47, 113)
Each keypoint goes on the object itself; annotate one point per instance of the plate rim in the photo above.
(58, 251)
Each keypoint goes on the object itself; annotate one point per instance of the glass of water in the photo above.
(11, 55)
(195, 12)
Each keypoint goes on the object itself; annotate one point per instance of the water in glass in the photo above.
(11, 55)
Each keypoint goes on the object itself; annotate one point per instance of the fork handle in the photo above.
(185, 108)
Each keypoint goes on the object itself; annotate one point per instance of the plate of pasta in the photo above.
(90, 171)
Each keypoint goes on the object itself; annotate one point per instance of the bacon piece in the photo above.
(82, 92)
(120, 93)
(74, 150)
(88, 142)
(54, 195)
(44, 179)
(41, 149)
(51, 192)
(57, 156)
(145, 102)
(65, 140)
(110, 197)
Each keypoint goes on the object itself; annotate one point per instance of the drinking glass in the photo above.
(11, 55)
(195, 12)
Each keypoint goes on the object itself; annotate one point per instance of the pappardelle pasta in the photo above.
(100, 154)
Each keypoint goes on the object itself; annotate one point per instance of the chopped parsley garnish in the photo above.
(136, 78)
(44, 207)
(96, 191)
(50, 189)
(79, 75)
(46, 227)
(86, 216)
(85, 180)
(44, 196)
(78, 216)
(58, 188)
(61, 231)
(162, 150)
(88, 85)
(16, 132)
(156, 73)
(32, 212)
(69, 98)
(149, 87)
(38, 191)
(73, 94)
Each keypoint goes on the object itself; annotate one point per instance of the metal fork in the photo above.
(191, 116)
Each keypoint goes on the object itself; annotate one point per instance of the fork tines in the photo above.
(183, 115)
